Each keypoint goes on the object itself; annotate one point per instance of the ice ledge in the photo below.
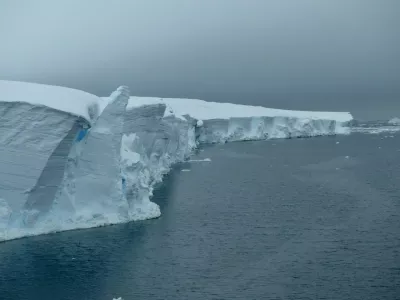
(71, 101)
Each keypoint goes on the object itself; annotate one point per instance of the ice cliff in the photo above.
(69, 159)
(223, 122)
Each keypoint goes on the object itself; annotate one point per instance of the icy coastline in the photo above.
(72, 160)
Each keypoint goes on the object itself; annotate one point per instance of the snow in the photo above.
(64, 99)
(203, 110)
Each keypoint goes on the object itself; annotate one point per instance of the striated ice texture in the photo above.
(92, 186)
(150, 145)
(34, 145)
(63, 166)
(259, 128)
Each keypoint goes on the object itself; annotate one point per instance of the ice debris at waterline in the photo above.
(70, 160)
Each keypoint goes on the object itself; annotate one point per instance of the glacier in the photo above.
(70, 159)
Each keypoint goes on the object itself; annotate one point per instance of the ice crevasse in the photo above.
(70, 159)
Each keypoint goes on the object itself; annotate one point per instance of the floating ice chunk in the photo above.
(199, 123)
(337, 143)
(185, 170)
(347, 157)
(200, 160)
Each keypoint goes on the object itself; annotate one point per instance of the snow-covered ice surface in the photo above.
(72, 160)
(64, 99)
(203, 110)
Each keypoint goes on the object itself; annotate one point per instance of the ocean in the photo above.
(313, 218)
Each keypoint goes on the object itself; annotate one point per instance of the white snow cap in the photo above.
(69, 100)
(203, 110)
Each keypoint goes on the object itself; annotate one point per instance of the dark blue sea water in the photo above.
(285, 219)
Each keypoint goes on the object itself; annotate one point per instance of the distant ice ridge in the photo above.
(375, 127)
(203, 110)
(376, 130)
(394, 121)
(92, 161)
(224, 122)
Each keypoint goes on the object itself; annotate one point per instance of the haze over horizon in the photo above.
(309, 54)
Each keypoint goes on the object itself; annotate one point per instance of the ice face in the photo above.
(69, 169)
(34, 146)
(152, 143)
(261, 128)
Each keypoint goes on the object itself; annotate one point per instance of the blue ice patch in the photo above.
(123, 184)
(81, 135)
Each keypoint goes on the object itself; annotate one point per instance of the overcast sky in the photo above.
(300, 54)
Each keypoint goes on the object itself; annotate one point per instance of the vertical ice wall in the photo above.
(261, 128)
(34, 146)
(94, 186)
(151, 144)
